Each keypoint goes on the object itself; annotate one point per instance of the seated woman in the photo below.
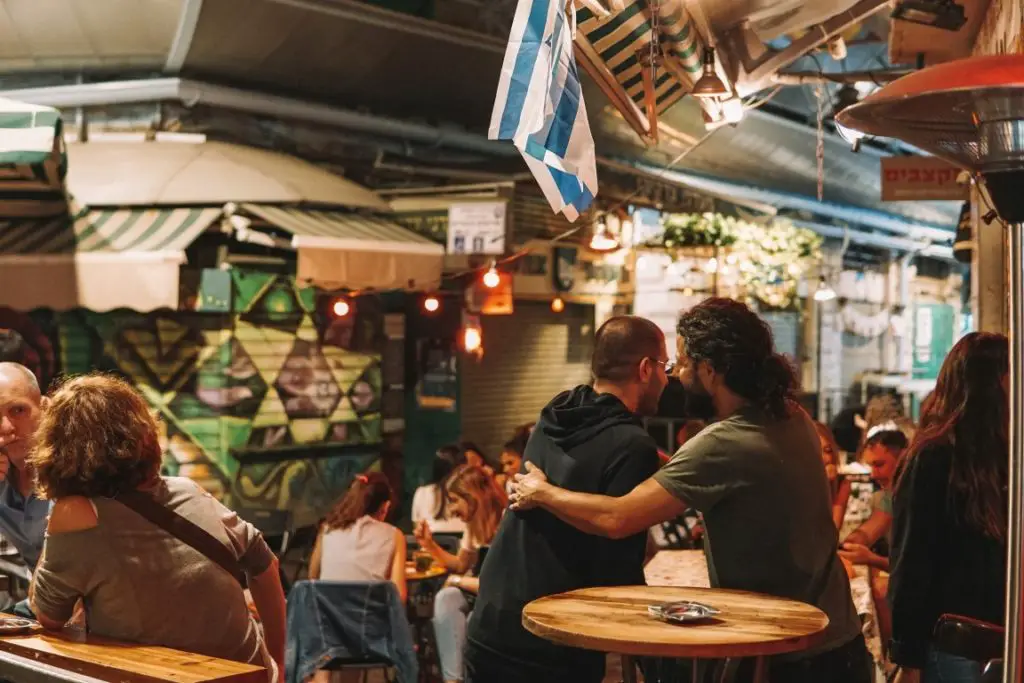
(98, 440)
(355, 543)
(475, 497)
(429, 501)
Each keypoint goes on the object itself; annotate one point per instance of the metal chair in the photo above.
(969, 638)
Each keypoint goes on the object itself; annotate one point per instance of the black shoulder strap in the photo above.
(184, 530)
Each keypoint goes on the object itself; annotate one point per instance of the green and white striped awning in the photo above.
(33, 160)
(353, 250)
(613, 42)
(108, 230)
(98, 259)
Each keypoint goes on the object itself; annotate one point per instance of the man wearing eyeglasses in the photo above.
(589, 439)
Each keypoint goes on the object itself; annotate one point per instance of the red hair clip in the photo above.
(363, 478)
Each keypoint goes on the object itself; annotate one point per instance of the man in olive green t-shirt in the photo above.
(755, 474)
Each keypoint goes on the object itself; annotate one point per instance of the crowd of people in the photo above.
(567, 504)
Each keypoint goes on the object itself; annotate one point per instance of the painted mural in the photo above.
(257, 402)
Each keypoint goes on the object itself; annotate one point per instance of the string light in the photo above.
(341, 307)
(558, 304)
(431, 304)
(492, 278)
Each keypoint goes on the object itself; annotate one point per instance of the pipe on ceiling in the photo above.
(899, 244)
(854, 215)
(191, 93)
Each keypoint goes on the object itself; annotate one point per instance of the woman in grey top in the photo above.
(139, 583)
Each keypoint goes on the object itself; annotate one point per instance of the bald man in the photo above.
(22, 514)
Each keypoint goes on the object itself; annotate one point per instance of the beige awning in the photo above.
(338, 249)
(99, 260)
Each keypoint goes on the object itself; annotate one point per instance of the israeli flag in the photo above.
(539, 106)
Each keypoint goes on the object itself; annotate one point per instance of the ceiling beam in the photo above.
(187, 23)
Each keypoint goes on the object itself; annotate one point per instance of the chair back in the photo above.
(273, 524)
(969, 638)
(339, 624)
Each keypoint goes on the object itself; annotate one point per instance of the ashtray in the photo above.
(682, 612)
(13, 625)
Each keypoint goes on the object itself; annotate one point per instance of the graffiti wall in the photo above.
(257, 403)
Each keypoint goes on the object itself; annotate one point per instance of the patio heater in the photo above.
(971, 112)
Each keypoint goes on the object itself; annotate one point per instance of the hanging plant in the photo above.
(696, 230)
(772, 259)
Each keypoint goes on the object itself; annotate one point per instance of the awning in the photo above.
(100, 259)
(338, 249)
(609, 49)
(33, 161)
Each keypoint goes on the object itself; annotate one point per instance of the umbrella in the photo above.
(33, 161)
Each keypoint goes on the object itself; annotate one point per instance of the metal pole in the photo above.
(1012, 664)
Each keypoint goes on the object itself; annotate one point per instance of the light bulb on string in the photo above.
(558, 304)
(431, 304)
(341, 307)
(492, 278)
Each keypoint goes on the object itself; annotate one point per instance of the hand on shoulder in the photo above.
(72, 513)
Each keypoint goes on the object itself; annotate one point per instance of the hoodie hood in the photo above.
(579, 415)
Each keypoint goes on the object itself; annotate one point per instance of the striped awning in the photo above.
(609, 48)
(339, 249)
(108, 230)
(33, 160)
(98, 259)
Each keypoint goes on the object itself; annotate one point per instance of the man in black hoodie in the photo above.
(589, 439)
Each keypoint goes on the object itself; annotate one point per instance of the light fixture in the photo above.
(558, 304)
(837, 48)
(603, 241)
(824, 291)
(709, 84)
(341, 307)
(492, 278)
(944, 14)
(431, 304)
(853, 137)
(472, 339)
(732, 110)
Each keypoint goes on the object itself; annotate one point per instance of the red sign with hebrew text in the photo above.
(916, 178)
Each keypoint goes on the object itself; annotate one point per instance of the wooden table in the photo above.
(616, 620)
(411, 574)
(73, 656)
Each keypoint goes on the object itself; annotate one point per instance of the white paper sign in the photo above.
(477, 228)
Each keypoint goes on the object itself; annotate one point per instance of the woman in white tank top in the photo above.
(355, 543)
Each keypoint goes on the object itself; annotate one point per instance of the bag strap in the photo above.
(185, 531)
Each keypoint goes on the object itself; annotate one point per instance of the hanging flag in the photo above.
(539, 106)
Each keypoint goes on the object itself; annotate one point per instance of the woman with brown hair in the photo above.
(475, 497)
(839, 486)
(97, 444)
(355, 543)
(950, 510)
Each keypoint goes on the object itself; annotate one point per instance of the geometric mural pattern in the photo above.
(233, 387)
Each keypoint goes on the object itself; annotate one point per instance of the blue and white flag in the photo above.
(539, 106)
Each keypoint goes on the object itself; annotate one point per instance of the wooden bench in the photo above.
(74, 657)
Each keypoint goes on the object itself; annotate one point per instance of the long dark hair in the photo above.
(969, 411)
(446, 460)
(367, 494)
(738, 343)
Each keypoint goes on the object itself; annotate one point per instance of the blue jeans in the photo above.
(946, 668)
(451, 614)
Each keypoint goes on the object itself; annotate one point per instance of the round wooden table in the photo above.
(616, 620)
(412, 574)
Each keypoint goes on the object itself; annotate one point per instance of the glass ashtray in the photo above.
(13, 625)
(682, 612)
